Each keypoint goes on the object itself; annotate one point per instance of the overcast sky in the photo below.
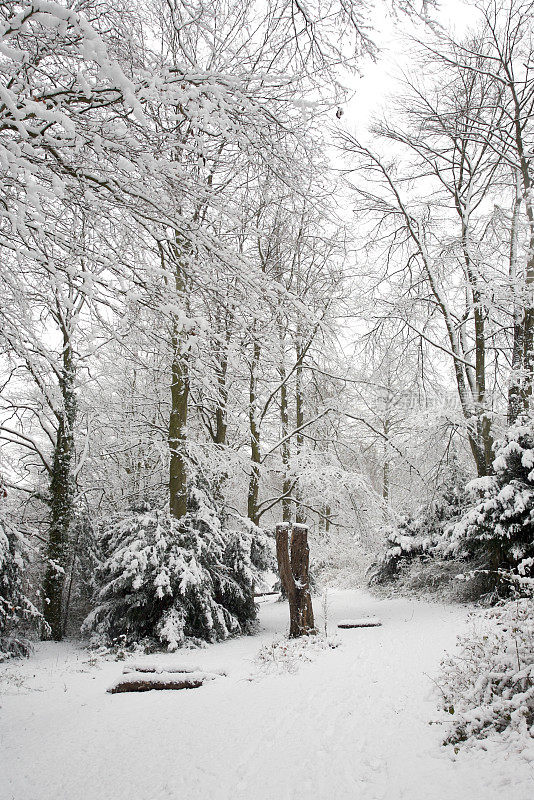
(378, 79)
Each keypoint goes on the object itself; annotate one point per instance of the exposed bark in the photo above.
(221, 413)
(385, 479)
(284, 420)
(360, 624)
(300, 514)
(255, 451)
(514, 391)
(62, 495)
(527, 187)
(327, 513)
(149, 684)
(293, 566)
(179, 400)
(482, 438)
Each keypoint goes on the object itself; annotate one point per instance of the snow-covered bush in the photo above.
(488, 686)
(18, 615)
(408, 540)
(284, 655)
(498, 529)
(164, 581)
(420, 536)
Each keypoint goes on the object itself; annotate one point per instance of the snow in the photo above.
(350, 724)
(158, 667)
(361, 622)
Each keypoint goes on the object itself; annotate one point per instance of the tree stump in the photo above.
(293, 566)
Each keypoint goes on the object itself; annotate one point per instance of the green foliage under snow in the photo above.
(164, 581)
(18, 615)
(499, 526)
(420, 535)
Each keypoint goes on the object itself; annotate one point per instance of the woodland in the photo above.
(258, 343)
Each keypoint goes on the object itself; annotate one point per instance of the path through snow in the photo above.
(350, 725)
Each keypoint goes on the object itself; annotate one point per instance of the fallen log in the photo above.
(145, 682)
(158, 668)
(364, 622)
(141, 685)
(148, 667)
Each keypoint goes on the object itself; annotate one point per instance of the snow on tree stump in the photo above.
(293, 557)
(364, 622)
(148, 678)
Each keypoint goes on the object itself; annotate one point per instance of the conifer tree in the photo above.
(18, 615)
(164, 580)
(498, 529)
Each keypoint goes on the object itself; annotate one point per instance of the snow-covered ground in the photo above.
(353, 723)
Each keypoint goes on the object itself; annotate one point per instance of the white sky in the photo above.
(378, 79)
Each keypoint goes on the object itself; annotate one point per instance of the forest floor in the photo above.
(351, 723)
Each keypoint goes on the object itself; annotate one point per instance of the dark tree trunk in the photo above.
(221, 412)
(300, 514)
(62, 498)
(179, 396)
(293, 567)
(287, 484)
(255, 451)
(521, 388)
(177, 431)
(514, 391)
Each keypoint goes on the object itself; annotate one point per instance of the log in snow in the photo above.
(364, 622)
(139, 666)
(146, 681)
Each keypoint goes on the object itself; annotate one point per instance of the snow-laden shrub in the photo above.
(166, 581)
(419, 536)
(488, 686)
(18, 615)
(498, 529)
(284, 655)
(408, 540)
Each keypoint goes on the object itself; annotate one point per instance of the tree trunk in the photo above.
(221, 412)
(300, 514)
(514, 391)
(294, 575)
(177, 430)
(62, 497)
(520, 397)
(255, 452)
(179, 399)
(327, 512)
(287, 485)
